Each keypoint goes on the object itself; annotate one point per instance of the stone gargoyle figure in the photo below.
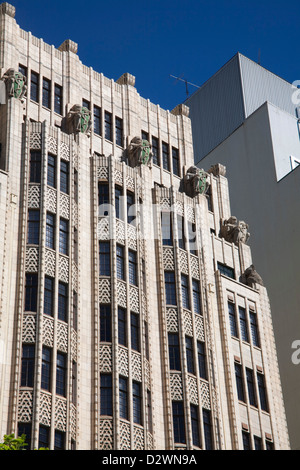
(15, 83)
(195, 181)
(234, 231)
(251, 277)
(79, 119)
(139, 152)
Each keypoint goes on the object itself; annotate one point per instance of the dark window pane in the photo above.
(25, 428)
(59, 440)
(189, 354)
(123, 398)
(122, 336)
(132, 267)
(120, 262)
(135, 332)
(195, 425)
(106, 395)
(170, 288)
(254, 329)
(208, 436)
(62, 301)
(257, 443)
(58, 97)
(196, 296)
(31, 286)
(262, 392)
(35, 166)
(174, 352)
(108, 125)
(44, 437)
(226, 270)
(175, 160)
(178, 422)
(130, 207)
(155, 151)
(185, 291)
(46, 369)
(46, 98)
(165, 156)
(50, 230)
(61, 374)
(64, 177)
(97, 120)
(251, 387)
(136, 403)
(48, 296)
(166, 228)
(34, 87)
(27, 369)
(118, 203)
(63, 236)
(202, 360)
(119, 131)
(105, 323)
(33, 232)
(246, 441)
(239, 382)
(104, 258)
(180, 231)
(192, 238)
(243, 324)
(232, 319)
(51, 170)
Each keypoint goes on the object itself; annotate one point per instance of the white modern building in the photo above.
(246, 118)
(127, 322)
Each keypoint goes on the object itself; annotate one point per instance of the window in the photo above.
(178, 422)
(189, 354)
(97, 120)
(75, 185)
(135, 331)
(246, 440)
(251, 387)
(120, 262)
(185, 292)
(75, 244)
(257, 443)
(165, 156)
(103, 193)
(239, 382)
(31, 287)
(61, 369)
(166, 228)
(136, 403)
(44, 437)
(195, 425)
(146, 332)
(192, 238)
(48, 296)
(123, 398)
(63, 236)
(105, 323)
(174, 353)
(132, 267)
(46, 98)
(207, 429)
(51, 171)
(180, 231)
(243, 324)
(254, 329)
(63, 301)
(170, 288)
(226, 270)
(86, 104)
(130, 207)
(75, 310)
(33, 230)
(149, 411)
(108, 125)
(25, 428)
(269, 445)
(232, 319)
(74, 382)
(23, 70)
(58, 99)
(155, 151)
(208, 195)
(175, 160)
(118, 203)
(64, 177)
(46, 369)
(35, 166)
(201, 360)
(104, 258)
(59, 440)
(262, 392)
(196, 296)
(34, 87)
(119, 131)
(27, 367)
(50, 230)
(106, 407)
(122, 336)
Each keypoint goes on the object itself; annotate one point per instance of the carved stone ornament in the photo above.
(234, 231)
(15, 83)
(217, 170)
(139, 152)
(251, 277)
(195, 181)
(79, 119)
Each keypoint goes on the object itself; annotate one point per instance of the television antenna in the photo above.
(186, 83)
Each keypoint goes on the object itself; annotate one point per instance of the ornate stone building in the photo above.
(131, 316)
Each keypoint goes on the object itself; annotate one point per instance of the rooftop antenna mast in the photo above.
(186, 83)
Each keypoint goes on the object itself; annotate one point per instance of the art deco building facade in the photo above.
(130, 314)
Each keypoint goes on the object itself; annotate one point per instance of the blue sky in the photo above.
(157, 38)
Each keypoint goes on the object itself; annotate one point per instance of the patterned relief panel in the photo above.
(62, 337)
(51, 200)
(29, 328)
(34, 196)
(60, 414)
(32, 259)
(121, 294)
(50, 263)
(193, 390)
(63, 269)
(136, 365)
(168, 259)
(199, 327)
(183, 260)
(104, 291)
(187, 321)
(25, 406)
(48, 331)
(106, 434)
(45, 409)
(52, 145)
(172, 320)
(35, 140)
(124, 436)
(105, 358)
(134, 299)
(138, 438)
(205, 395)
(123, 361)
(176, 387)
(64, 206)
